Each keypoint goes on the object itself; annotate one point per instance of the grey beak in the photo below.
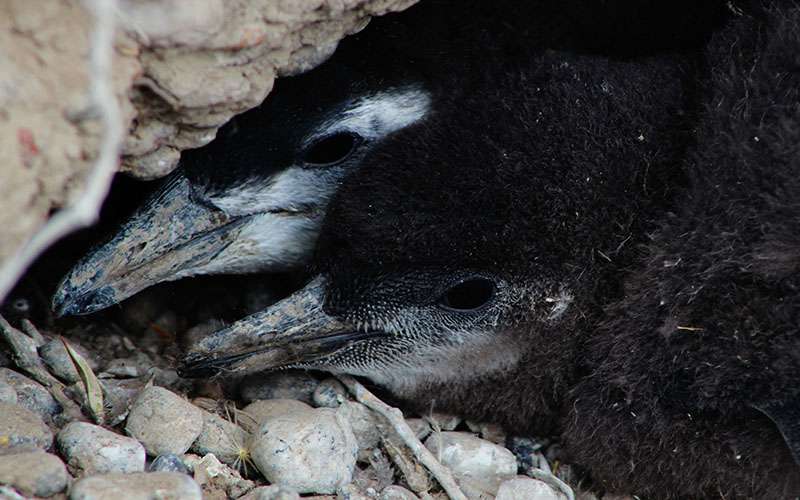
(167, 238)
(293, 331)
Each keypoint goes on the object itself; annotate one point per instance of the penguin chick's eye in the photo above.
(468, 295)
(331, 149)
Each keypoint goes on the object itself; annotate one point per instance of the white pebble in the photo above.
(474, 462)
(164, 422)
(271, 492)
(22, 429)
(420, 426)
(91, 449)
(364, 425)
(329, 394)
(150, 485)
(313, 451)
(31, 394)
(395, 492)
(442, 421)
(528, 488)
(7, 393)
(258, 412)
(55, 356)
(33, 473)
(221, 437)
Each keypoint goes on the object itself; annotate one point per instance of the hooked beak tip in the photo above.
(70, 302)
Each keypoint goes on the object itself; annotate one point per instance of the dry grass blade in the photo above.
(94, 391)
(398, 423)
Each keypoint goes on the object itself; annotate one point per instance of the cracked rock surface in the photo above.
(50, 128)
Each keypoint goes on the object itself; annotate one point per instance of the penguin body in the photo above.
(595, 247)
(699, 362)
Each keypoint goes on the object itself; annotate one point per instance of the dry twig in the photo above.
(555, 482)
(395, 418)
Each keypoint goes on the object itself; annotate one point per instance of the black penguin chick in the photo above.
(694, 388)
(253, 199)
(458, 267)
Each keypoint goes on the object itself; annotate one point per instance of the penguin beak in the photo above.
(293, 331)
(170, 237)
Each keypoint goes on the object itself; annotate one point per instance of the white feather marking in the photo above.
(376, 115)
(296, 189)
(268, 241)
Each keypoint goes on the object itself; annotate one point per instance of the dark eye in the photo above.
(468, 295)
(21, 305)
(332, 149)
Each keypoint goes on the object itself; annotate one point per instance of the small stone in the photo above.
(415, 475)
(7, 393)
(351, 492)
(281, 385)
(91, 449)
(395, 492)
(133, 366)
(442, 421)
(221, 437)
(164, 422)
(214, 475)
(22, 429)
(272, 492)
(34, 473)
(489, 432)
(31, 395)
(364, 424)
(474, 461)
(55, 356)
(313, 451)
(168, 463)
(258, 412)
(329, 394)
(166, 377)
(420, 426)
(118, 397)
(526, 487)
(139, 485)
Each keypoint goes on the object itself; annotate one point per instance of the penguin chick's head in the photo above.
(254, 198)
(468, 246)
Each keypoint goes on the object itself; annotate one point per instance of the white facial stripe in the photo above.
(379, 114)
(277, 242)
(291, 190)
(280, 240)
(372, 117)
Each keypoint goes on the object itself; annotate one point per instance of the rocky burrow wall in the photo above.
(95, 86)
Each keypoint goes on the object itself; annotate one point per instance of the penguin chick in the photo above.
(494, 268)
(456, 267)
(253, 199)
(693, 384)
